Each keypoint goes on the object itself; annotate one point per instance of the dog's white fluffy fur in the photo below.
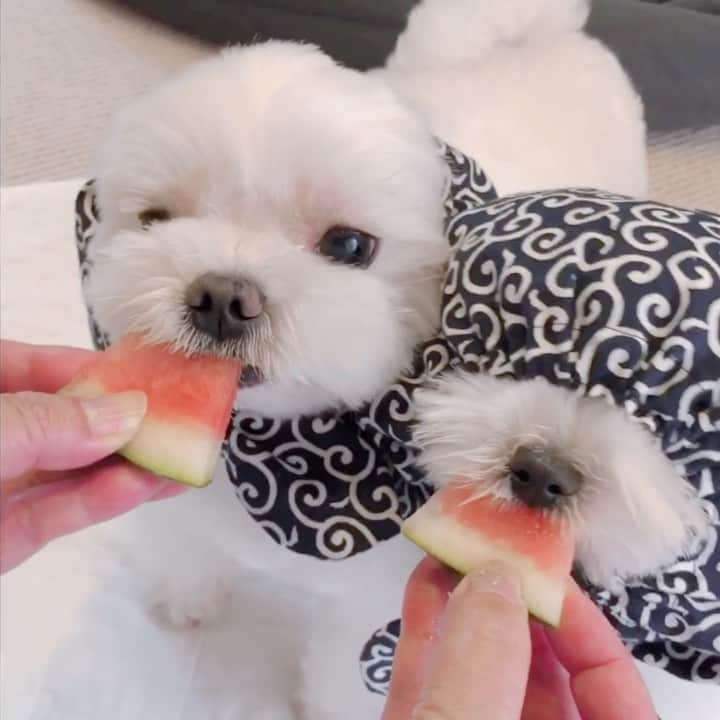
(257, 152)
(634, 513)
(519, 86)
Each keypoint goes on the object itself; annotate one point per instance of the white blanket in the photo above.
(75, 644)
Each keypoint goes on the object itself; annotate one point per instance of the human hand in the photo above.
(40, 432)
(467, 651)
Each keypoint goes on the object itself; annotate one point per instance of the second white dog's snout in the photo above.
(222, 306)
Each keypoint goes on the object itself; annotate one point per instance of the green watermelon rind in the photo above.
(146, 451)
(461, 549)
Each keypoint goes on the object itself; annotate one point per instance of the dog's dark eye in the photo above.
(348, 246)
(153, 215)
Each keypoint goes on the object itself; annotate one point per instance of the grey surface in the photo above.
(670, 49)
(360, 33)
(708, 6)
(672, 54)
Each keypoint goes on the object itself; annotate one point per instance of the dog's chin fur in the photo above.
(256, 154)
(635, 512)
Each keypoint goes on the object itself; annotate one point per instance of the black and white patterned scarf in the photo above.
(611, 297)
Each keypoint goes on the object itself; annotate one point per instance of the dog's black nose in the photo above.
(539, 478)
(222, 306)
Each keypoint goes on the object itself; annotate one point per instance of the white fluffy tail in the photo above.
(446, 33)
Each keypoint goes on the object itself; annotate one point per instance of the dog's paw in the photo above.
(183, 606)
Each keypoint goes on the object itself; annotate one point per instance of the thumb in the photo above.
(52, 432)
(481, 658)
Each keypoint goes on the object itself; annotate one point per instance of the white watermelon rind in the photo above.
(463, 550)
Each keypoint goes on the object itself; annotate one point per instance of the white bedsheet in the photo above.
(75, 645)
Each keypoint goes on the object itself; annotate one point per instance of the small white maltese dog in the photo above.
(271, 205)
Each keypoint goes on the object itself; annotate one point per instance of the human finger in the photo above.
(26, 367)
(84, 498)
(605, 682)
(51, 432)
(426, 596)
(480, 660)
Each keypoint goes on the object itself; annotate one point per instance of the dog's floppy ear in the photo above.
(87, 217)
(468, 185)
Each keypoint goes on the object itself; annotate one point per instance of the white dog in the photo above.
(580, 458)
(271, 205)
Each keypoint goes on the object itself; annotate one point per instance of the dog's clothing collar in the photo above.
(616, 299)
(647, 340)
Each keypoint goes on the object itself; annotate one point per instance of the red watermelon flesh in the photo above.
(465, 531)
(190, 400)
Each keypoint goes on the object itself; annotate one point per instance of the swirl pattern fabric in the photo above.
(376, 659)
(614, 298)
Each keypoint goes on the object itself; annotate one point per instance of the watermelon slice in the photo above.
(189, 404)
(464, 532)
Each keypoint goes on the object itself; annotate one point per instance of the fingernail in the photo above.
(494, 579)
(115, 417)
